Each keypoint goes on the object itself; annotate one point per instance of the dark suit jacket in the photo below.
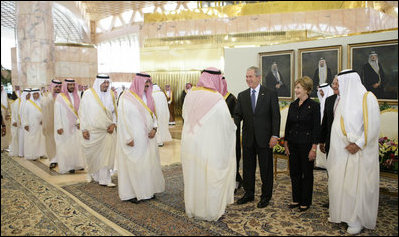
(328, 118)
(303, 122)
(265, 122)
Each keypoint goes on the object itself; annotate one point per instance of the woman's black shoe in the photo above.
(291, 206)
(301, 209)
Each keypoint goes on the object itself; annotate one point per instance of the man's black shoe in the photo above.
(133, 200)
(244, 200)
(53, 165)
(263, 203)
(72, 171)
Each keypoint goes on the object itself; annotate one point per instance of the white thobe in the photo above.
(208, 160)
(139, 167)
(99, 150)
(21, 129)
(162, 111)
(69, 152)
(353, 182)
(15, 118)
(47, 103)
(34, 140)
(5, 109)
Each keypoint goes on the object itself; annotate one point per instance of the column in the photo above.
(35, 43)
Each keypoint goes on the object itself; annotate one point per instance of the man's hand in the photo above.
(287, 150)
(15, 124)
(60, 131)
(322, 147)
(376, 85)
(312, 154)
(352, 148)
(111, 128)
(152, 133)
(131, 143)
(273, 141)
(278, 86)
(86, 134)
(27, 128)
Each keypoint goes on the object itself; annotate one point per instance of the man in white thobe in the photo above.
(66, 125)
(48, 120)
(139, 166)
(208, 149)
(162, 111)
(26, 94)
(353, 159)
(34, 140)
(323, 92)
(5, 111)
(15, 124)
(98, 116)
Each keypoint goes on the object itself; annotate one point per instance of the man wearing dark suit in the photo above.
(328, 118)
(259, 109)
(330, 106)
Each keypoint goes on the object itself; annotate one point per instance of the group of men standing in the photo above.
(100, 134)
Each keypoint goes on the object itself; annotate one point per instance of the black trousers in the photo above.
(238, 155)
(265, 158)
(301, 173)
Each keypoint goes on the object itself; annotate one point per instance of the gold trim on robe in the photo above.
(69, 104)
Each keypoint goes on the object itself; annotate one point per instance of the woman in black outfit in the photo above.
(301, 138)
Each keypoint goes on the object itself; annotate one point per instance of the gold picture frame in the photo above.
(308, 63)
(387, 54)
(284, 84)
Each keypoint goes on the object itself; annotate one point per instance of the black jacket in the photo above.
(328, 118)
(265, 122)
(303, 122)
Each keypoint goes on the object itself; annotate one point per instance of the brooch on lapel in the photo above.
(263, 94)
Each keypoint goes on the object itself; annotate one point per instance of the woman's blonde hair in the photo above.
(306, 82)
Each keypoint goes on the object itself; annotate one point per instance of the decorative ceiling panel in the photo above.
(97, 10)
(66, 29)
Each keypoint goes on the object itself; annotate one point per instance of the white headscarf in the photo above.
(328, 91)
(351, 91)
(105, 97)
(36, 90)
(374, 64)
(4, 98)
(155, 88)
(322, 72)
(23, 95)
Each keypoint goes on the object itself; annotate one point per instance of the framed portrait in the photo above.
(377, 65)
(321, 64)
(278, 72)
